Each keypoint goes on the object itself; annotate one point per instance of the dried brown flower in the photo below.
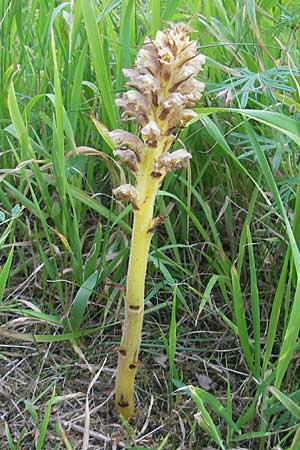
(127, 192)
(164, 89)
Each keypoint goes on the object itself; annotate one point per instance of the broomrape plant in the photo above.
(164, 89)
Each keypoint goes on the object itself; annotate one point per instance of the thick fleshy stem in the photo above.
(146, 186)
(165, 87)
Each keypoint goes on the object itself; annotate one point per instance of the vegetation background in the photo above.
(220, 341)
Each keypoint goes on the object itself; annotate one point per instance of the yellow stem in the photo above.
(146, 186)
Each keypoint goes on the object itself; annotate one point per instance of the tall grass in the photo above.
(226, 260)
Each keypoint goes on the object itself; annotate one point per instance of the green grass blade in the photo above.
(172, 339)
(217, 407)
(205, 420)
(289, 347)
(81, 301)
(155, 6)
(273, 187)
(296, 441)
(76, 87)
(287, 402)
(241, 319)
(46, 338)
(58, 135)
(171, 281)
(243, 238)
(290, 338)
(45, 422)
(5, 233)
(96, 47)
(124, 60)
(171, 7)
(255, 306)
(278, 121)
(18, 122)
(206, 294)
(164, 442)
(229, 411)
(275, 313)
(4, 272)
(9, 438)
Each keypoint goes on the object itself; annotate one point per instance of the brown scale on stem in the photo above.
(134, 307)
(122, 402)
(162, 89)
(156, 222)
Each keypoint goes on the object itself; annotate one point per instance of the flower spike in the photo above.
(163, 89)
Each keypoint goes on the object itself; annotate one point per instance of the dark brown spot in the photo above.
(170, 131)
(122, 402)
(137, 156)
(155, 174)
(166, 75)
(50, 222)
(134, 307)
(154, 99)
(152, 144)
(136, 365)
(164, 113)
(141, 117)
(122, 351)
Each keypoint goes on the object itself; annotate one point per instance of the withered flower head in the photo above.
(164, 87)
(174, 160)
(124, 138)
(127, 157)
(164, 78)
(127, 192)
